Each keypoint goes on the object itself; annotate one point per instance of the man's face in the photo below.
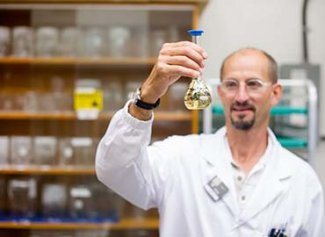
(247, 92)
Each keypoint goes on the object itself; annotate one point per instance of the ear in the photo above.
(219, 90)
(276, 95)
(220, 93)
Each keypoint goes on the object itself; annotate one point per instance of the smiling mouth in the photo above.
(244, 109)
(242, 112)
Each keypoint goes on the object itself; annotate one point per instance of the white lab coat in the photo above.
(172, 175)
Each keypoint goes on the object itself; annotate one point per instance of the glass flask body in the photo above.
(197, 96)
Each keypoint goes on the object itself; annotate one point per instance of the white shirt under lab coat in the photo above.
(173, 176)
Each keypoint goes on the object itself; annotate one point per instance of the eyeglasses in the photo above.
(252, 86)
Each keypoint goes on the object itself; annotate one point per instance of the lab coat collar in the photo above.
(270, 187)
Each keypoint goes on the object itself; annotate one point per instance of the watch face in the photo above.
(138, 93)
(133, 95)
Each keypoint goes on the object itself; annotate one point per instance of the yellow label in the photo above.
(88, 99)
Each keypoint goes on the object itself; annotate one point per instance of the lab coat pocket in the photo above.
(275, 223)
(280, 231)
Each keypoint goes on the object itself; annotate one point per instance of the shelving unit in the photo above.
(294, 120)
(30, 80)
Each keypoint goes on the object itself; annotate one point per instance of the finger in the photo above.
(184, 51)
(183, 61)
(177, 71)
(187, 44)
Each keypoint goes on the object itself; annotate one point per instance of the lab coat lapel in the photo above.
(270, 187)
(216, 157)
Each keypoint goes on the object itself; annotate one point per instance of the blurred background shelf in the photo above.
(47, 152)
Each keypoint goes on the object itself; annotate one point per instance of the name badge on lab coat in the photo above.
(216, 188)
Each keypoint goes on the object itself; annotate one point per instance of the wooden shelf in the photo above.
(129, 61)
(86, 2)
(19, 115)
(148, 224)
(46, 170)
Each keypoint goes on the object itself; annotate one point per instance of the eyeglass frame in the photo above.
(257, 91)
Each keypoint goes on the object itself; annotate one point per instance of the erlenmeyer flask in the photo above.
(198, 95)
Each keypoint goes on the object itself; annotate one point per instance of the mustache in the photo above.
(242, 106)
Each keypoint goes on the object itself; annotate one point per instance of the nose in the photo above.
(241, 95)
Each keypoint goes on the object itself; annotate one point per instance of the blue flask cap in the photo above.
(195, 32)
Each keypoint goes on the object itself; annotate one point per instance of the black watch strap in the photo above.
(144, 105)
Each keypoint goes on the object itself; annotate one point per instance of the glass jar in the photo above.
(81, 202)
(70, 41)
(84, 150)
(119, 41)
(22, 197)
(21, 150)
(54, 200)
(47, 41)
(93, 43)
(4, 41)
(45, 150)
(23, 41)
(66, 153)
(4, 151)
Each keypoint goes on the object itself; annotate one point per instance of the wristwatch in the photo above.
(144, 105)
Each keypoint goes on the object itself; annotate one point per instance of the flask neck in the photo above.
(195, 39)
(198, 79)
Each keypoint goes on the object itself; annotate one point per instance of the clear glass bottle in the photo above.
(198, 95)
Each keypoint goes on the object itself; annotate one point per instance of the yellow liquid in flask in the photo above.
(197, 96)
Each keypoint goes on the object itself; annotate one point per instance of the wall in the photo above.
(274, 26)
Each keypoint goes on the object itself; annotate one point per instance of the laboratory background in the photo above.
(67, 66)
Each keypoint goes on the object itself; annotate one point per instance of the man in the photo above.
(236, 182)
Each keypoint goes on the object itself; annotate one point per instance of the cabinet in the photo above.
(294, 120)
(48, 50)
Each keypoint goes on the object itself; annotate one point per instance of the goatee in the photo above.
(241, 124)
